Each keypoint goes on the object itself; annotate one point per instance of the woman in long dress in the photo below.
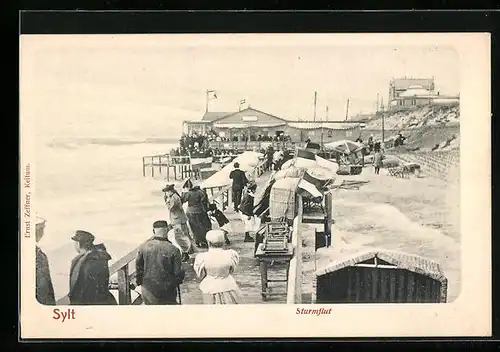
(215, 268)
(196, 212)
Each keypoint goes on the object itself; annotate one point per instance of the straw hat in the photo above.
(215, 236)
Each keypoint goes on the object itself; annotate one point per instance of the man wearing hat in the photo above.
(89, 272)
(178, 220)
(158, 268)
(239, 182)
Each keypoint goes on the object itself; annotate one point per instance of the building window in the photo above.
(330, 134)
(414, 102)
(348, 133)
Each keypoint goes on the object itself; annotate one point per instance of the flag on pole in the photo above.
(242, 101)
(212, 94)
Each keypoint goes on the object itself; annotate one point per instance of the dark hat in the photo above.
(236, 165)
(188, 184)
(160, 224)
(81, 236)
(252, 185)
(169, 187)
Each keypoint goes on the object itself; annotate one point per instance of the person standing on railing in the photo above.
(215, 268)
(178, 220)
(159, 268)
(89, 272)
(239, 182)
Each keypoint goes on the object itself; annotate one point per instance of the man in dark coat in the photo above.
(239, 182)
(158, 268)
(44, 288)
(247, 210)
(89, 272)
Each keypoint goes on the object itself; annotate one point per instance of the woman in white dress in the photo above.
(215, 268)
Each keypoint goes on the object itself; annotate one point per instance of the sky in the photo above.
(133, 85)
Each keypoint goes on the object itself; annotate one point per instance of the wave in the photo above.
(76, 142)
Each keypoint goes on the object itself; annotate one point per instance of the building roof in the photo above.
(401, 260)
(331, 125)
(405, 83)
(416, 91)
(215, 115)
(250, 109)
(247, 125)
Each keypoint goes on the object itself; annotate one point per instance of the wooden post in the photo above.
(143, 166)
(152, 167)
(124, 296)
(328, 224)
(159, 162)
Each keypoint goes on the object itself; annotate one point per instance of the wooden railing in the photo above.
(221, 195)
(180, 165)
(126, 276)
(294, 290)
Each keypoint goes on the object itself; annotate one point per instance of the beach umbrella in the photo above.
(344, 146)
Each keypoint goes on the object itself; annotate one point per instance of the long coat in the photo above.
(176, 212)
(89, 278)
(44, 288)
(247, 203)
(159, 270)
(239, 179)
(197, 201)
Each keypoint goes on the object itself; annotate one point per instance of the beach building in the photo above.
(408, 93)
(397, 86)
(254, 125)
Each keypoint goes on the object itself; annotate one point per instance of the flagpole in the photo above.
(347, 109)
(206, 101)
(315, 98)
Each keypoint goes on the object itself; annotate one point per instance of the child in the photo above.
(221, 220)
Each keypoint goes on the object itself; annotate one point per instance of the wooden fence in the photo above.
(165, 164)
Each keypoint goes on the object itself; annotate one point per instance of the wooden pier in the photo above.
(178, 167)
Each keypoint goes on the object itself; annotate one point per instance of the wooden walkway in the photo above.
(247, 274)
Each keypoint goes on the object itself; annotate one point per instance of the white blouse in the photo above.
(216, 266)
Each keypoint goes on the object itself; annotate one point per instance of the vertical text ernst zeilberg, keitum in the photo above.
(27, 201)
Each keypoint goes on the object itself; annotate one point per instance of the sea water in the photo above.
(95, 184)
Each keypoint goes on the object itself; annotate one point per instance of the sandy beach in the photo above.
(418, 216)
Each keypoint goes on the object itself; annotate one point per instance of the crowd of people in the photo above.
(198, 145)
(195, 225)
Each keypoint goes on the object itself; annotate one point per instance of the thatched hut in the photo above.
(379, 276)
